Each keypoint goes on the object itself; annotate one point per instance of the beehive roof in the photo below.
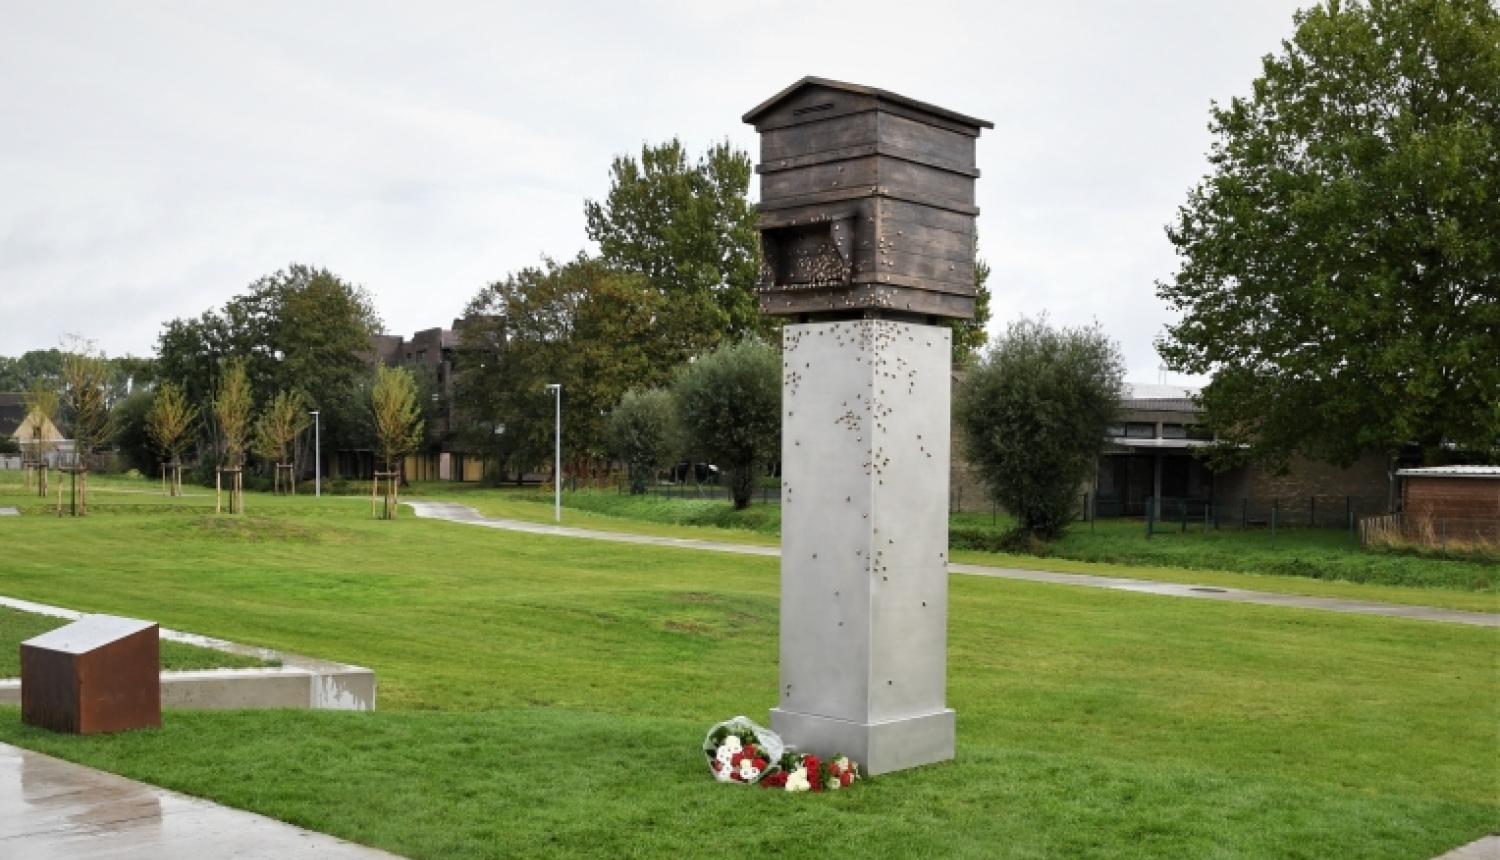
(883, 95)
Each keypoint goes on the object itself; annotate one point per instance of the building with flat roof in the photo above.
(1149, 454)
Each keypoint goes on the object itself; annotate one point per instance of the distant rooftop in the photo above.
(1451, 472)
(1146, 397)
(1149, 391)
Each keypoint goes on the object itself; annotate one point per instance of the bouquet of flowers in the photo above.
(741, 751)
(802, 772)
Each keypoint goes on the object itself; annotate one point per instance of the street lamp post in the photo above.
(556, 390)
(317, 455)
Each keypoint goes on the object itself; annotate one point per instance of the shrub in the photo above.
(1034, 413)
(643, 432)
(729, 405)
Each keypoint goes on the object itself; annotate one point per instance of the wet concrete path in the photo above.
(1484, 848)
(55, 810)
(465, 514)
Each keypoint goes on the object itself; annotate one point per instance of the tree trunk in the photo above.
(742, 485)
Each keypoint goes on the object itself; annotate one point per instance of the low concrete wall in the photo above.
(299, 682)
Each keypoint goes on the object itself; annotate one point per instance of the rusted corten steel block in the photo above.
(866, 203)
(101, 674)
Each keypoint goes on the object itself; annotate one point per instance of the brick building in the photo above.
(1462, 502)
(441, 457)
(1149, 454)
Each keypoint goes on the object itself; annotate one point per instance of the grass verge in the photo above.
(1191, 557)
(16, 627)
(544, 697)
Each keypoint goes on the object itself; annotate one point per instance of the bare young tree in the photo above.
(41, 409)
(85, 375)
(278, 427)
(398, 422)
(170, 424)
(232, 405)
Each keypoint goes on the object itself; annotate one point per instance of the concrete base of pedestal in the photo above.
(877, 747)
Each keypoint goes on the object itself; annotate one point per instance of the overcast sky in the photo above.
(155, 158)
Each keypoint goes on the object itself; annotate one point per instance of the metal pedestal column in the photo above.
(864, 582)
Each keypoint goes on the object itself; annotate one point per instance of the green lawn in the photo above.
(1227, 559)
(17, 627)
(1318, 563)
(1327, 554)
(1322, 554)
(545, 697)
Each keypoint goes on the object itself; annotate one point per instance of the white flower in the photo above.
(748, 771)
(841, 764)
(725, 754)
(798, 781)
(732, 743)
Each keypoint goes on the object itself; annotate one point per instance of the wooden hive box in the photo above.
(101, 674)
(866, 204)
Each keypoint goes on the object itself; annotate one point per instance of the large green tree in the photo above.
(299, 329)
(37, 366)
(690, 229)
(44, 366)
(594, 329)
(1340, 266)
(1033, 415)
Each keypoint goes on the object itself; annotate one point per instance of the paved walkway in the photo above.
(465, 514)
(54, 810)
(1484, 848)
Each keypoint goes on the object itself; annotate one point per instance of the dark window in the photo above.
(1185, 478)
(1116, 430)
(1198, 431)
(1173, 431)
(1137, 430)
(1125, 481)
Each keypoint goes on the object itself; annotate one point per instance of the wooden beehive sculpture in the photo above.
(100, 674)
(866, 203)
(867, 231)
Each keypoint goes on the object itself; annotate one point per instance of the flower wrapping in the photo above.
(740, 751)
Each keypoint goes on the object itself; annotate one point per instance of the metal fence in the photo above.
(1248, 512)
(765, 495)
(1457, 533)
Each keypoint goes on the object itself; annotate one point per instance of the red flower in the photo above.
(846, 779)
(760, 763)
(749, 749)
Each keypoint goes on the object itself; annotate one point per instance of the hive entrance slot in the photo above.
(820, 254)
